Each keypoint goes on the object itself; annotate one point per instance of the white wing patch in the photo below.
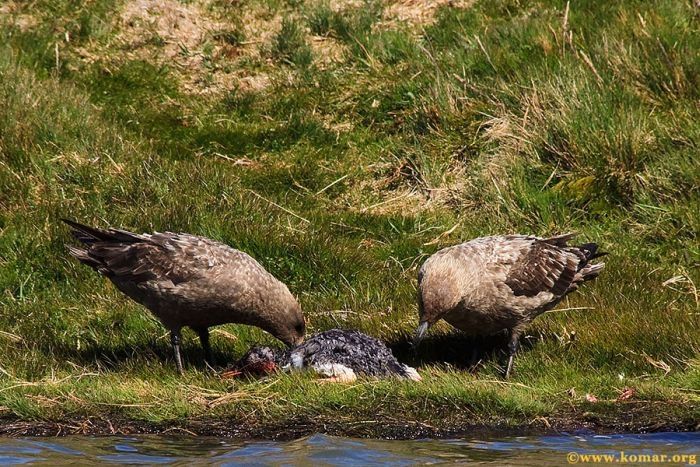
(336, 371)
(411, 373)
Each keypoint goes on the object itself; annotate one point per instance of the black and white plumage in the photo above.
(341, 355)
(498, 283)
(185, 280)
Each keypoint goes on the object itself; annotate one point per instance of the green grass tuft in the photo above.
(290, 44)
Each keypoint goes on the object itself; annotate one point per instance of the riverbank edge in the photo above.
(629, 418)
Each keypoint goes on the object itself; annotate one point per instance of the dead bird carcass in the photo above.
(339, 355)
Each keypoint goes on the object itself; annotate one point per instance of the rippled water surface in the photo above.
(328, 450)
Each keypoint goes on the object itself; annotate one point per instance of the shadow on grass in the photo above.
(456, 349)
(116, 358)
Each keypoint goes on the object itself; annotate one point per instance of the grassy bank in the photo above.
(341, 143)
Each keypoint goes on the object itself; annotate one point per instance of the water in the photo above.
(329, 450)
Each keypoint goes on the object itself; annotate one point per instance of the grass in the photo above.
(341, 146)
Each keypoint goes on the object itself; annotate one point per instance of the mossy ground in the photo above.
(341, 143)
